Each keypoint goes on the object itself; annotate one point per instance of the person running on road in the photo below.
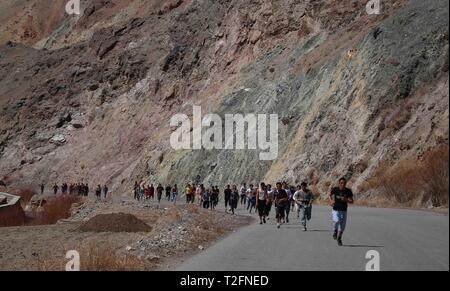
(214, 197)
(234, 198)
(281, 201)
(288, 205)
(206, 198)
(243, 191)
(227, 195)
(269, 201)
(174, 194)
(199, 193)
(261, 202)
(253, 199)
(159, 193)
(340, 197)
(303, 198)
(168, 192)
(188, 193)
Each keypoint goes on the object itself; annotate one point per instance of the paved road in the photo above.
(405, 240)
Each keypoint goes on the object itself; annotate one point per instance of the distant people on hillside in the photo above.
(42, 187)
(168, 192)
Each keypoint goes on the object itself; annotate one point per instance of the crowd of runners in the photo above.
(261, 199)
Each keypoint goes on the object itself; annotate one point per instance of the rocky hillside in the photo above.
(90, 97)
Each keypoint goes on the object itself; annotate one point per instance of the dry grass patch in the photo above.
(414, 183)
(98, 258)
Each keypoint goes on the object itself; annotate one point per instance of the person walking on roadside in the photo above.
(227, 195)
(281, 201)
(303, 198)
(234, 198)
(105, 192)
(340, 197)
(55, 189)
(42, 186)
(206, 197)
(98, 192)
(136, 191)
(147, 196)
(261, 202)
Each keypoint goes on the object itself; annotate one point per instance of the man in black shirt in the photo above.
(281, 201)
(159, 192)
(340, 197)
(227, 196)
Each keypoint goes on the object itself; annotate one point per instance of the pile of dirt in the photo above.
(114, 222)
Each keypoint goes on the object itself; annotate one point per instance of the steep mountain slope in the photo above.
(90, 97)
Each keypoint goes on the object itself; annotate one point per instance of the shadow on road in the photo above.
(362, 246)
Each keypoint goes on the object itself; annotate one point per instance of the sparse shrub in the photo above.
(414, 182)
(98, 258)
(435, 175)
(26, 194)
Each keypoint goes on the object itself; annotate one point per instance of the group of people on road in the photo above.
(80, 189)
(260, 199)
(146, 193)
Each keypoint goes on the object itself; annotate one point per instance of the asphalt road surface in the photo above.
(404, 240)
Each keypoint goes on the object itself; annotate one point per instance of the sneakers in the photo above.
(264, 219)
(339, 241)
(305, 229)
(278, 225)
(335, 235)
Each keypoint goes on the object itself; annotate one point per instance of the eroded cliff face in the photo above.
(90, 97)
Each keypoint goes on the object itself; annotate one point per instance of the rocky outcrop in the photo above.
(350, 89)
